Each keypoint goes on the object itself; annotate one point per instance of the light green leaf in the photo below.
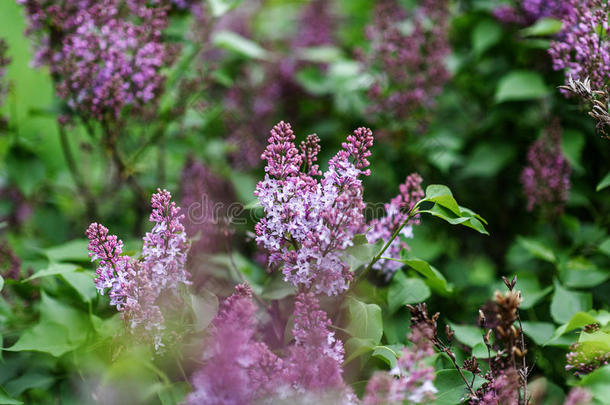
(405, 290)
(486, 34)
(5, 398)
(441, 195)
(605, 182)
(467, 334)
(604, 247)
(75, 250)
(220, 7)
(434, 278)
(236, 43)
(321, 54)
(204, 307)
(356, 347)
(1, 282)
(451, 388)
(597, 383)
(361, 254)
(47, 337)
(54, 269)
(277, 289)
(537, 249)
(566, 303)
(543, 27)
(520, 85)
(83, 283)
(580, 272)
(386, 354)
(365, 320)
(539, 332)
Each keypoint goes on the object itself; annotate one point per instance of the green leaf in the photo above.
(539, 332)
(467, 334)
(466, 218)
(604, 247)
(29, 380)
(365, 321)
(321, 54)
(605, 182)
(5, 398)
(75, 250)
(441, 195)
(530, 290)
(405, 290)
(543, 27)
(520, 85)
(220, 7)
(236, 43)
(386, 354)
(83, 283)
(47, 337)
(277, 289)
(361, 254)
(597, 383)
(1, 282)
(433, 277)
(537, 249)
(204, 307)
(566, 303)
(451, 387)
(580, 272)
(54, 269)
(486, 34)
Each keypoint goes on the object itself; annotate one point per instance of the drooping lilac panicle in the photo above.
(582, 48)
(546, 178)
(308, 223)
(412, 380)
(135, 285)
(409, 66)
(205, 199)
(315, 359)
(396, 213)
(103, 55)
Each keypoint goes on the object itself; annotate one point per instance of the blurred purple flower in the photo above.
(578, 396)
(136, 285)
(407, 56)
(527, 12)
(103, 55)
(582, 48)
(396, 213)
(546, 178)
(412, 380)
(308, 223)
(10, 263)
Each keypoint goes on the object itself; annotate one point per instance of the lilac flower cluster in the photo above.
(396, 213)
(582, 48)
(546, 178)
(308, 222)
(206, 198)
(410, 65)
(581, 362)
(501, 388)
(135, 285)
(412, 380)
(103, 55)
(527, 12)
(238, 369)
(10, 263)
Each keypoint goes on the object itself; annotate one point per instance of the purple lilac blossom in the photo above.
(412, 379)
(309, 222)
(10, 263)
(238, 369)
(396, 213)
(409, 64)
(205, 199)
(103, 55)
(135, 285)
(546, 178)
(502, 388)
(582, 48)
(527, 12)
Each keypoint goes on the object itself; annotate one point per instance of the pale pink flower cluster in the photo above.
(135, 285)
(309, 222)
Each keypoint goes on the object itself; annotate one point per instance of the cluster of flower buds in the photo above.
(598, 101)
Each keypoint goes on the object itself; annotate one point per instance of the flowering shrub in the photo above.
(304, 269)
